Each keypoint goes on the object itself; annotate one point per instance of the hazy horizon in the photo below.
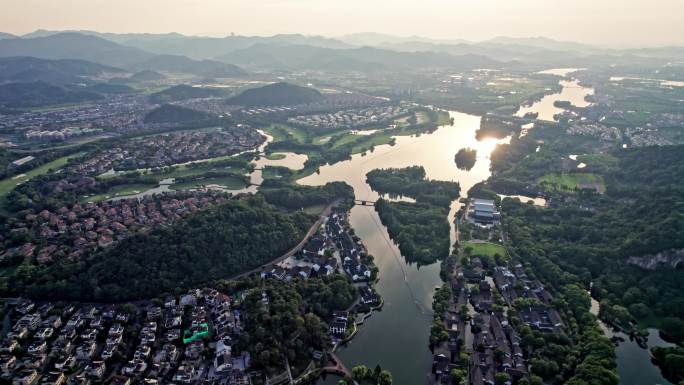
(632, 23)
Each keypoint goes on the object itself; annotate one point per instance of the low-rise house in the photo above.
(134, 367)
(65, 364)
(8, 346)
(86, 350)
(120, 380)
(28, 321)
(338, 323)
(38, 347)
(44, 333)
(116, 330)
(36, 361)
(7, 362)
(184, 374)
(53, 378)
(25, 377)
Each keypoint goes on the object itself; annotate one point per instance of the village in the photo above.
(188, 338)
(118, 113)
(350, 118)
(161, 341)
(72, 232)
(333, 250)
(482, 307)
(169, 149)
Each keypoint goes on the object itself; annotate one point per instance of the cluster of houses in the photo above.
(539, 314)
(169, 149)
(330, 251)
(80, 345)
(71, 232)
(330, 102)
(350, 118)
(321, 256)
(115, 112)
(39, 134)
(477, 322)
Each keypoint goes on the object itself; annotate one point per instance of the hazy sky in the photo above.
(614, 22)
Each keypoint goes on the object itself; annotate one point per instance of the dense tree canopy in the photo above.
(411, 181)
(208, 245)
(420, 230)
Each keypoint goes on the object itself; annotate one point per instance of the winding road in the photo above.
(312, 230)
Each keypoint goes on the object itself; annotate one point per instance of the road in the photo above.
(312, 230)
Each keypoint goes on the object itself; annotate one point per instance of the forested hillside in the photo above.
(208, 245)
(592, 236)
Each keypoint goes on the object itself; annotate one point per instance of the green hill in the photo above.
(110, 88)
(64, 71)
(37, 94)
(168, 113)
(277, 94)
(183, 92)
(208, 245)
(147, 75)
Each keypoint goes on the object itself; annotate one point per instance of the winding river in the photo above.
(397, 337)
(571, 91)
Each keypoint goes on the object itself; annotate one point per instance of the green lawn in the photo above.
(599, 160)
(275, 156)
(229, 183)
(8, 184)
(568, 182)
(279, 132)
(121, 190)
(185, 170)
(489, 249)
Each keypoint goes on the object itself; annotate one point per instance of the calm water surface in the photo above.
(634, 364)
(572, 92)
(397, 337)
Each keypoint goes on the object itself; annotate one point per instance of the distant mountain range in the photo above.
(62, 71)
(183, 64)
(35, 94)
(73, 45)
(200, 47)
(293, 57)
(232, 56)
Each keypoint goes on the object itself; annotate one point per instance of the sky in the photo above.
(601, 22)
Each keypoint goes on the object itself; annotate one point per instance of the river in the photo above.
(571, 91)
(634, 364)
(397, 337)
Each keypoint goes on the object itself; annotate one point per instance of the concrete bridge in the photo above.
(362, 202)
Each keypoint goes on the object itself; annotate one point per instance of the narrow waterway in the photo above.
(397, 337)
(571, 92)
(634, 364)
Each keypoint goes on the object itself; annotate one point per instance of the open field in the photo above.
(227, 182)
(275, 156)
(7, 185)
(569, 182)
(121, 190)
(481, 248)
